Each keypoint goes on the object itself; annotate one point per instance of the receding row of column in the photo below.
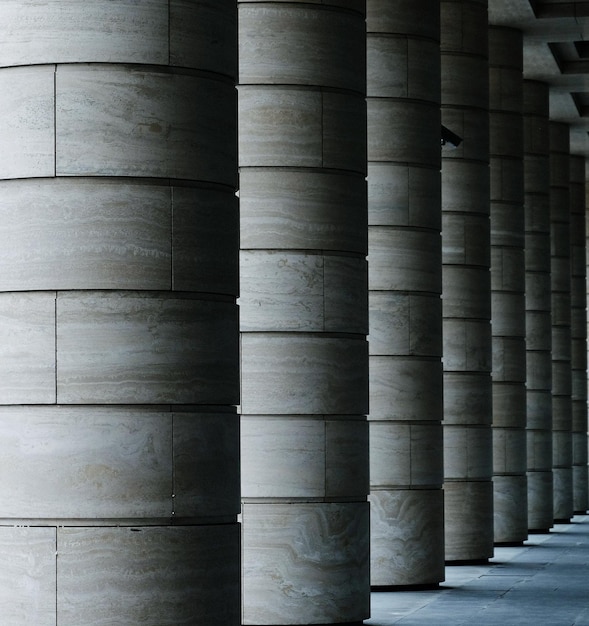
(120, 360)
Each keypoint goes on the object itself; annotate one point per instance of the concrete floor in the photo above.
(543, 582)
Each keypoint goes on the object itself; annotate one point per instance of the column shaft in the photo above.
(119, 351)
(538, 306)
(466, 290)
(560, 261)
(407, 525)
(578, 334)
(302, 140)
(508, 309)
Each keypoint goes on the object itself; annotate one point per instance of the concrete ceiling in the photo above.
(556, 50)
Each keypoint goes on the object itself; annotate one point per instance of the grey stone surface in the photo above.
(300, 566)
(155, 576)
(27, 576)
(132, 349)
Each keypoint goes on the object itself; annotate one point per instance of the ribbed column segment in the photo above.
(466, 289)
(407, 513)
(560, 261)
(538, 305)
(508, 309)
(304, 314)
(119, 351)
(579, 333)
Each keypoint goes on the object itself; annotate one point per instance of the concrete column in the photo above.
(304, 314)
(560, 260)
(466, 290)
(508, 309)
(119, 337)
(578, 334)
(538, 305)
(407, 511)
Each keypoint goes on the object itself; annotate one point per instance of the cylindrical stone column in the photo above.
(304, 314)
(508, 309)
(466, 289)
(538, 306)
(560, 261)
(578, 334)
(119, 353)
(406, 473)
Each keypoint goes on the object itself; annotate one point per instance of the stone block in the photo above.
(181, 126)
(463, 239)
(344, 131)
(467, 452)
(466, 292)
(346, 458)
(404, 260)
(85, 234)
(402, 130)
(540, 496)
(76, 32)
(405, 324)
(510, 507)
(27, 576)
(282, 457)
(154, 576)
(467, 398)
(27, 125)
(292, 291)
(468, 508)
(404, 16)
(90, 462)
(465, 183)
(407, 537)
(509, 451)
(405, 455)
(467, 345)
(203, 35)
(509, 404)
(405, 388)
(206, 464)
(400, 194)
(509, 359)
(155, 350)
(205, 240)
(303, 210)
(280, 126)
(27, 348)
(279, 370)
(539, 450)
(316, 46)
(291, 548)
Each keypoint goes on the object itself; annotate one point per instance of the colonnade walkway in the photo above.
(545, 582)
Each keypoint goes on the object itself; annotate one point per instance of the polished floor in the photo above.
(545, 582)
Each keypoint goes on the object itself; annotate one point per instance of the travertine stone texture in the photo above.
(27, 576)
(404, 217)
(538, 305)
(305, 549)
(155, 576)
(466, 290)
(408, 549)
(560, 282)
(304, 317)
(508, 310)
(578, 333)
(119, 336)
